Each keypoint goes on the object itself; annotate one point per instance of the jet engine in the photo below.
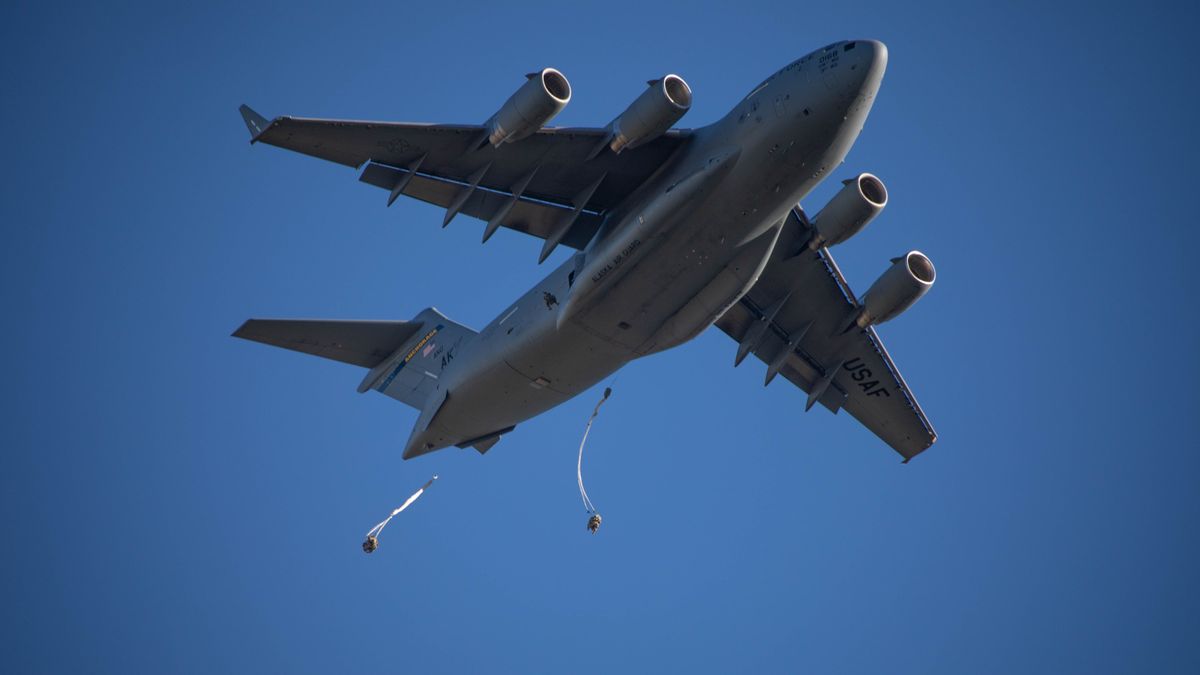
(652, 113)
(543, 96)
(856, 204)
(910, 276)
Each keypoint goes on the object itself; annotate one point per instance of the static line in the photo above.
(587, 503)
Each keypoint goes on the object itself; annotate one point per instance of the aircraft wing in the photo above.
(544, 185)
(791, 319)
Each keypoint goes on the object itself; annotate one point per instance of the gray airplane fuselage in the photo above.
(671, 259)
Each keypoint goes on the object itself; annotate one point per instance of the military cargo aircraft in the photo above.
(673, 231)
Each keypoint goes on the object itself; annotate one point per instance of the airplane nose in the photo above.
(868, 61)
(875, 57)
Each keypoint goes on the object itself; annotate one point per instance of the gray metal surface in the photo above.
(688, 229)
(528, 215)
(359, 343)
(868, 385)
(560, 153)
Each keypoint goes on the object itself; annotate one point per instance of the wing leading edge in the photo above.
(791, 320)
(546, 185)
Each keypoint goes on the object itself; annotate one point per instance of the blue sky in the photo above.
(180, 501)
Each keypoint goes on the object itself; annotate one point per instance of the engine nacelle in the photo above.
(542, 97)
(652, 113)
(856, 204)
(909, 277)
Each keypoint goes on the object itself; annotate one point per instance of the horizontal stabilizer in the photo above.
(360, 343)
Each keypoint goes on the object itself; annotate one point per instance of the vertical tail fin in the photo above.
(411, 373)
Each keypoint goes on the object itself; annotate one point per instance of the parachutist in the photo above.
(372, 541)
(594, 523)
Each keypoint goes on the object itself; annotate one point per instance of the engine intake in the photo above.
(652, 113)
(910, 277)
(856, 204)
(543, 96)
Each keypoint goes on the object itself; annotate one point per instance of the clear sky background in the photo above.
(176, 500)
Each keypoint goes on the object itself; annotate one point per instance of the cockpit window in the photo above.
(848, 47)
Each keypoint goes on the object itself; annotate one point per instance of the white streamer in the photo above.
(587, 503)
(378, 529)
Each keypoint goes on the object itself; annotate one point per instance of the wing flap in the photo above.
(531, 215)
(360, 343)
(798, 368)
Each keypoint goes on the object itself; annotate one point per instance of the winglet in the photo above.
(254, 122)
